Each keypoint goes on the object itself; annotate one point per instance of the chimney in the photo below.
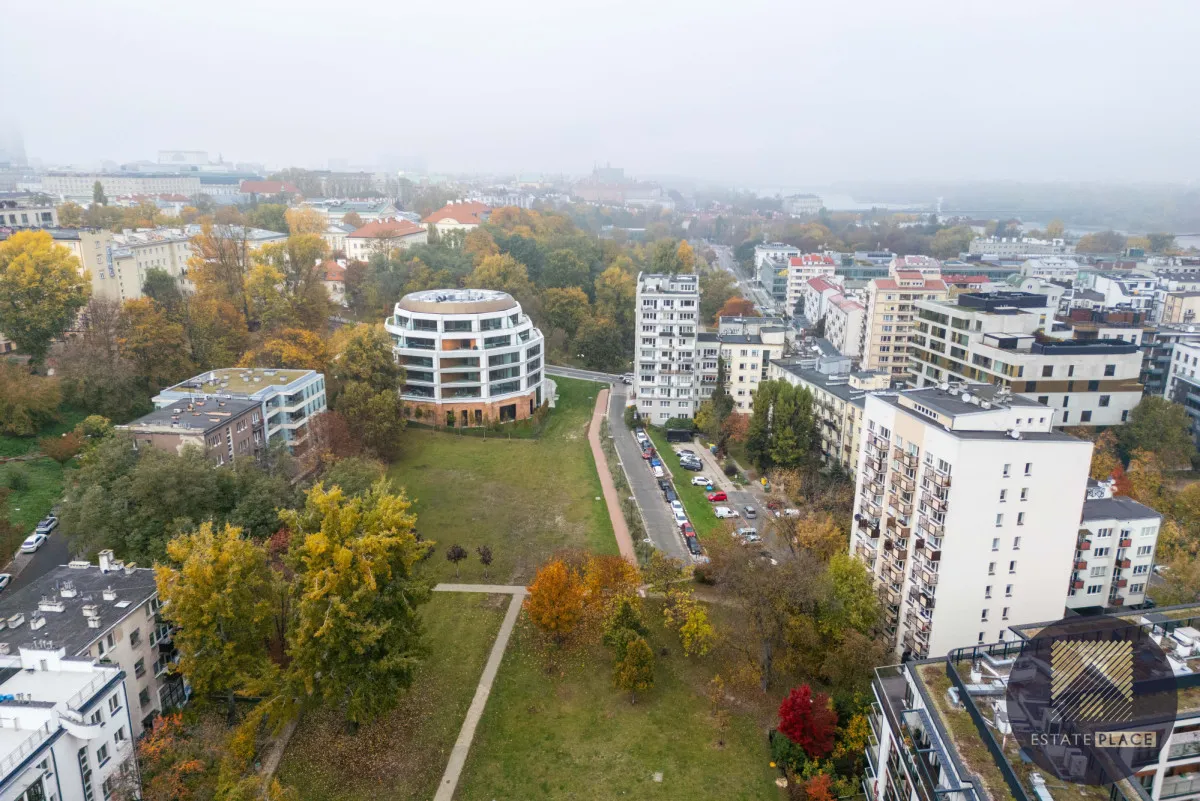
(106, 560)
(67, 590)
(89, 610)
(130, 567)
(110, 594)
(36, 622)
(16, 620)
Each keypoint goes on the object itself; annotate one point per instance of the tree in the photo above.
(1145, 477)
(62, 449)
(1161, 242)
(356, 639)
(98, 196)
(216, 331)
(217, 593)
(330, 438)
(480, 244)
(94, 375)
(503, 273)
(41, 291)
(1101, 242)
(376, 417)
(1104, 457)
(820, 535)
(1055, 229)
(809, 721)
(219, 263)
(303, 220)
(819, 788)
(269, 216)
(355, 475)
(623, 624)
(1180, 582)
(664, 257)
(485, 558)
(599, 343)
(716, 287)
(736, 307)
(167, 771)
(555, 600)
(948, 243)
(267, 300)
(27, 402)
(635, 672)
(162, 288)
(70, 215)
(565, 269)
(364, 354)
(351, 218)
(298, 261)
(1161, 427)
(291, 348)
(566, 309)
(686, 257)
(454, 555)
(153, 343)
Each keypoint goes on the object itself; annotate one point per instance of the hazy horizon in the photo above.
(756, 94)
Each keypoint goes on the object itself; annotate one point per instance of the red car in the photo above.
(716, 497)
(648, 453)
(687, 530)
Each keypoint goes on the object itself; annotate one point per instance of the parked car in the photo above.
(677, 506)
(5, 578)
(745, 531)
(724, 512)
(627, 378)
(47, 524)
(656, 462)
(693, 546)
(33, 542)
(686, 452)
(773, 504)
(700, 481)
(648, 453)
(686, 530)
(750, 512)
(663, 484)
(670, 495)
(693, 466)
(680, 517)
(658, 472)
(717, 497)
(791, 512)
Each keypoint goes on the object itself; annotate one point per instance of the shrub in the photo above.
(730, 467)
(681, 423)
(62, 449)
(17, 478)
(630, 416)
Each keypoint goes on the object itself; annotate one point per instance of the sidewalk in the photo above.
(611, 499)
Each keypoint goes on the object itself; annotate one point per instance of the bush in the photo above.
(17, 478)
(681, 423)
(730, 468)
(704, 573)
(62, 449)
(630, 416)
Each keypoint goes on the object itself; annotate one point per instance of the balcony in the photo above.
(934, 502)
(1081, 564)
(1077, 584)
(1125, 543)
(906, 459)
(1123, 563)
(1121, 583)
(929, 578)
(930, 527)
(940, 479)
(906, 484)
(1117, 600)
(1084, 545)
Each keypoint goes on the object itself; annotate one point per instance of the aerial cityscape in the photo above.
(559, 402)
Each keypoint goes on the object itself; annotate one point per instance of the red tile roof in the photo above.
(845, 303)
(933, 284)
(392, 228)
(821, 284)
(811, 259)
(268, 187)
(333, 271)
(468, 212)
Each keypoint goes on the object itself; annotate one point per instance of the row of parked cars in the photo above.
(669, 493)
(33, 542)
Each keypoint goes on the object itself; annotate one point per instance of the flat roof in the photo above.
(1118, 507)
(836, 384)
(200, 415)
(240, 381)
(457, 301)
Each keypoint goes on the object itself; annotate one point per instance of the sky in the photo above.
(746, 93)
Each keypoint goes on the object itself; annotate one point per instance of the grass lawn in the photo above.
(403, 755)
(695, 499)
(525, 498)
(19, 446)
(27, 506)
(573, 736)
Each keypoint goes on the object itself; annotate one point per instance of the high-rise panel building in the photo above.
(668, 320)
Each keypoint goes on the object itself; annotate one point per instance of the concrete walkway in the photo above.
(462, 746)
(611, 499)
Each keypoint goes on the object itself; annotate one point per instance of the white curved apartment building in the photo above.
(472, 357)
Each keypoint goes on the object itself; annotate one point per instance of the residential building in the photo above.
(1058, 296)
(926, 266)
(839, 400)
(994, 248)
(1182, 383)
(383, 237)
(267, 188)
(1180, 307)
(774, 250)
(889, 319)
(845, 319)
(942, 728)
(472, 357)
(367, 210)
(224, 429)
(288, 398)
(133, 254)
(967, 508)
(748, 325)
(877, 258)
(772, 274)
(65, 726)
(106, 611)
(334, 279)
(1000, 338)
(1158, 346)
(1052, 268)
(1114, 554)
(82, 184)
(22, 211)
(665, 369)
(465, 215)
(815, 299)
(746, 354)
(335, 236)
(801, 270)
(1127, 290)
(802, 205)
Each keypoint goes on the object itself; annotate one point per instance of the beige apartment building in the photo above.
(889, 319)
(747, 353)
(223, 428)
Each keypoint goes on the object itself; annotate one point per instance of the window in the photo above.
(1144, 550)
(1012, 566)
(1029, 468)
(144, 697)
(120, 735)
(1094, 589)
(102, 755)
(1098, 552)
(114, 704)
(1044, 400)
(1066, 415)
(991, 568)
(999, 520)
(1003, 495)
(983, 617)
(1047, 371)
(995, 543)
(1104, 399)
(1125, 416)
(1110, 369)
(1008, 590)
(987, 591)
(1139, 570)
(1020, 519)
(1098, 572)
(1016, 543)
(1085, 417)
(1093, 386)
(981, 637)
(1004, 613)
(106, 787)
(85, 771)
(1137, 588)
(1070, 370)
(1024, 493)
(1006, 469)
(1101, 533)
(139, 668)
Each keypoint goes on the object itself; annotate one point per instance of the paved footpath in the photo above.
(462, 746)
(611, 499)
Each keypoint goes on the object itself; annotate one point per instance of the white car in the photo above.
(677, 506)
(627, 378)
(33, 542)
(791, 512)
(680, 517)
(658, 472)
(700, 481)
(5, 578)
(724, 512)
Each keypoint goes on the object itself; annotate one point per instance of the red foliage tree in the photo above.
(1123, 486)
(809, 721)
(819, 788)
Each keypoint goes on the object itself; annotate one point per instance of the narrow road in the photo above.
(586, 375)
(660, 522)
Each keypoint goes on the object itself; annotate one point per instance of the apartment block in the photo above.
(925, 265)
(1158, 350)
(382, 237)
(746, 353)
(224, 429)
(845, 321)
(773, 250)
(26, 212)
(839, 400)
(1051, 268)
(1182, 383)
(668, 309)
(1114, 554)
(287, 399)
(966, 512)
(814, 300)
(1180, 307)
(81, 184)
(999, 338)
(107, 611)
(801, 270)
(889, 319)
(1018, 247)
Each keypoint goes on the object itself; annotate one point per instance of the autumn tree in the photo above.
(1161, 427)
(716, 287)
(688, 617)
(1105, 460)
(168, 771)
(98, 196)
(564, 269)
(566, 309)
(599, 343)
(41, 291)
(70, 215)
(291, 348)
(555, 600)
(364, 355)
(1101, 242)
(686, 257)
(302, 220)
(377, 418)
(455, 554)
(27, 402)
(664, 257)
(356, 637)
(485, 558)
(352, 219)
(355, 475)
(949, 242)
(220, 261)
(155, 344)
(635, 672)
(62, 449)
(504, 273)
(736, 307)
(809, 720)
(216, 591)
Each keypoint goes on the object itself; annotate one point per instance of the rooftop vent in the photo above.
(130, 567)
(90, 610)
(36, 622)
(3, 649)
(110, 594)
(16, 620)
(106, 561)
(50, 605)
(93, 622)
(67, 590)
(79, 564)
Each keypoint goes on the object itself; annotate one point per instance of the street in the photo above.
(28, 567)
(750, 288)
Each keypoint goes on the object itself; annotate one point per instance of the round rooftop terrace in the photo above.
(457, 301)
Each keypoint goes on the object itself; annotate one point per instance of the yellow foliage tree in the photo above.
(305, 221)
(504, 273)
(1104, 456)
(42, 288)
(687, 257)
(555, 600)
(479, 243)
(293, 348)
(266, 297)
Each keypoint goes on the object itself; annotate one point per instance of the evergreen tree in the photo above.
(758, 436)
(98, 196)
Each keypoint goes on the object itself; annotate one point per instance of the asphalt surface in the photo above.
(29, 567)
(586, 375)
(750, 288)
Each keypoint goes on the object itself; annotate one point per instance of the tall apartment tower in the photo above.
(966, 511)
(668, 311)
(889, 319)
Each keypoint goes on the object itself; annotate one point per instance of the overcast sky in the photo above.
(747, 92)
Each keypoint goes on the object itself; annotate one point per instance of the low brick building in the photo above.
(224, 428)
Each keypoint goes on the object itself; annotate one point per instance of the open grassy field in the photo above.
(403, 755)
(573, 736)
(42, 489)
(18, 446)
(525, 498)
